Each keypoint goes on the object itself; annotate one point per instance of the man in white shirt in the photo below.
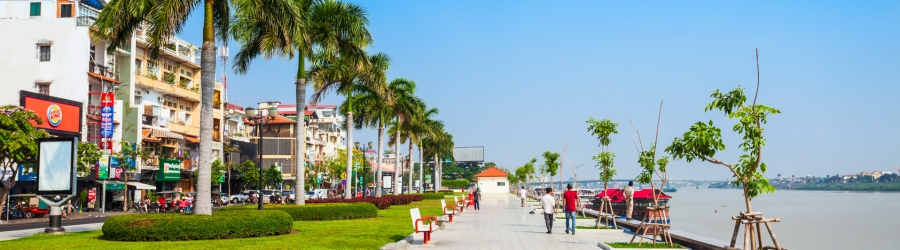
(548, 203)
(522, 195)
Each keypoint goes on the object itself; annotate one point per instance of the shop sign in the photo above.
(58, 115)
(115, 186)
(169, 170)
(103, 168)
(92, 194)
(24, 174)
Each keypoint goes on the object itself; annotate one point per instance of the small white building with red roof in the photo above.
(492, 180)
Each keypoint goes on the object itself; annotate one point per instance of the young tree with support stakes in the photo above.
(602, 129)
(704, 140)
(652, 165)
(551, 164)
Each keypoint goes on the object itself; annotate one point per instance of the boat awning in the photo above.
(138, 185)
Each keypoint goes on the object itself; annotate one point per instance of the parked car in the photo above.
(310, 194)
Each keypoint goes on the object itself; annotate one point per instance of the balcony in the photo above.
(155, 121)
(101, 72)
(180, 50)
(183, 129)
(167, 88)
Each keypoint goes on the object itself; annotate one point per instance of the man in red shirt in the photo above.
(570, 197)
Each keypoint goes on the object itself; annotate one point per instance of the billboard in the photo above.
(56, 165)
(169, 170)
(106, 115)
(59, 116)
(26, 174)
(469, 154)
(103, 168)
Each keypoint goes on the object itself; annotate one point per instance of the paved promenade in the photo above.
(503, 224)
(15, 234)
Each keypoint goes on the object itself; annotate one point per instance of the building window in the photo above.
(137, 67)
(45, 53)
(65, 10)
(501, 184)
(35, 9)
(44, 89)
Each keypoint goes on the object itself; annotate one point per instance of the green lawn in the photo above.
(391, 225)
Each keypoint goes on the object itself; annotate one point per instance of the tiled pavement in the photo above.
(502, 224)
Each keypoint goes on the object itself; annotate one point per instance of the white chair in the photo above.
(421, 224)
(460, 205)
(448, 210)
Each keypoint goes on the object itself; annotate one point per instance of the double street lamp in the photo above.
(259, 119)
(363, 148)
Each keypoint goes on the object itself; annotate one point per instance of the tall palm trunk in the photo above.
(437, 174)
(409, 165)
(300, 135)
(421, 169)
(380, 153)
(398, 181)
(347, 194)
(207, 80)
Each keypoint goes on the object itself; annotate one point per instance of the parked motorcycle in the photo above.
(275, 199)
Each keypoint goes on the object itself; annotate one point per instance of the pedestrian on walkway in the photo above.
(548, 203)
(571, 199)
(522, 195)
(629, 200)
(476, 198)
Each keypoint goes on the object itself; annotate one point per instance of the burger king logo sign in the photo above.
(54, 115)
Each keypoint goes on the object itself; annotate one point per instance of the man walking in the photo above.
(629, 200)
(571, 199)
(548, 203)
(476, 198)
(522, 195)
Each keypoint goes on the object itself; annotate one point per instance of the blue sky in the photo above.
(521, 78)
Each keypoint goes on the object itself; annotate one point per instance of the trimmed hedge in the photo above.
(319, 212)
(456, 184)
(433, 196)
(181, 226)
(381, 203)
(404, 199)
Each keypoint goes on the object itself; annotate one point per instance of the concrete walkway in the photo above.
(15, 234)
(502, 223)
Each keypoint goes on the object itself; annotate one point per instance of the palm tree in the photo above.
(339, 74)
(372, 110)
(163, 18)
(423, 129)
(331, 27)
(405, 107)
(438, 144)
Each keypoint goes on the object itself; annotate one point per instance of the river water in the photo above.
(809, 219)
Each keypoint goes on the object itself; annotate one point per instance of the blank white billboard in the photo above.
(470, 154)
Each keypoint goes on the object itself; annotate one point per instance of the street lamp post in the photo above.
(257, 117)
(365, 148)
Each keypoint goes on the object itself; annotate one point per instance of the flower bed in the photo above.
(180, 226)
(319, 212)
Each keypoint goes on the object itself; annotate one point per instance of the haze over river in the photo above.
(809, 219)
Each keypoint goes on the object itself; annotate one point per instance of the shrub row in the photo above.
(179, 226)
(319, 212)
(380, 202)
(455, 184)
(404, 199)
(433, 196)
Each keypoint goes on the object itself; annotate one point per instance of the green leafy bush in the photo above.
(433, 196)
(319, 212)
(455, 184)
(180, 226)
(380, 202)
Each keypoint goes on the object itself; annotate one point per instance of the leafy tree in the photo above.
(88, 154)
(602, 129)
(272, 176)
(551, 164)
(218, 170)
(249, 174)
(129, 153)
(704, 140)
(163, 18)
(18, 144)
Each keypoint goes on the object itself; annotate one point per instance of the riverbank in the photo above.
(886, 187)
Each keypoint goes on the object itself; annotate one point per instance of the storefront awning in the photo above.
(192, 139)
(138, 185)
(166, 134)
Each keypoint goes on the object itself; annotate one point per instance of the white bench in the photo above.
(448, 210)
(421, 224)
(459, 204)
